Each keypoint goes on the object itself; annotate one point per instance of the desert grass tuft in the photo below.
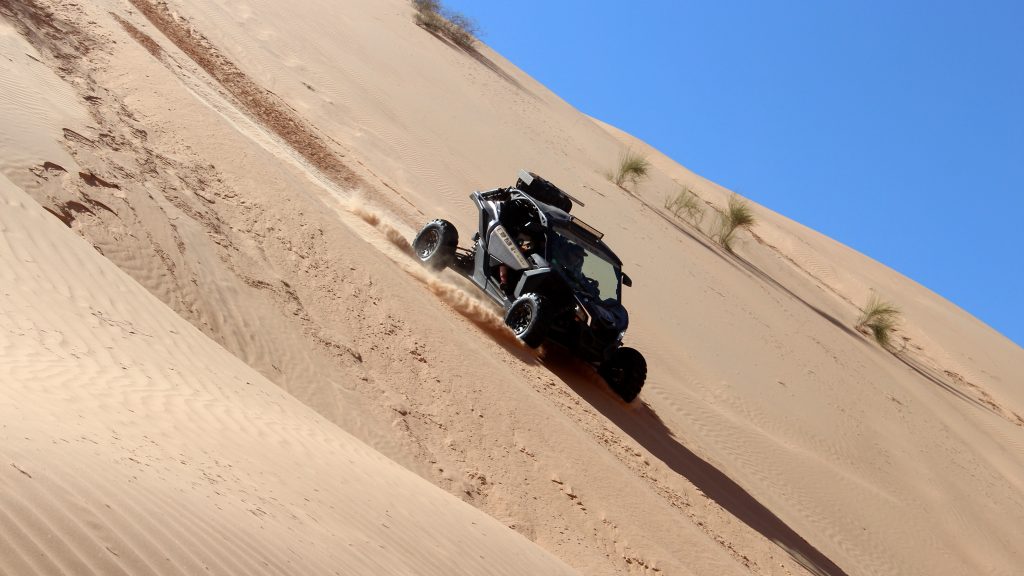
(454, 26)
(737, 215)
(686, 204)
(632, 167)
(880, 319)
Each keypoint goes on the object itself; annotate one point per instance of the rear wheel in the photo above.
(527, 319)
(435, 245)
(625, 372)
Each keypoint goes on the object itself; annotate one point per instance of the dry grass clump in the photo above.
(458, 28)
(736, 215)
(632, 166)
(879, 319)
(686, 204)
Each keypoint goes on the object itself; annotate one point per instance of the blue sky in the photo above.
(824, 111)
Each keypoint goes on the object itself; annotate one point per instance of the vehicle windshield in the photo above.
(583, 266)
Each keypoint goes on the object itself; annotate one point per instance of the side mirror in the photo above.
(626, 279)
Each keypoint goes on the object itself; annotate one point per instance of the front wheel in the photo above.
(527, 319)
(625, 372)
(435, 245)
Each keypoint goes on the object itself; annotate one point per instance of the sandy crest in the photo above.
(771, 438)
(134, 445)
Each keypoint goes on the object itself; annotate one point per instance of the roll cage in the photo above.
(551, 272)
(518, 212)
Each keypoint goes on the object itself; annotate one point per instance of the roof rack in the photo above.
(545, 191)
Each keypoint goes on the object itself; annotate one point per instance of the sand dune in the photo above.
(258, 168)
(134, 445)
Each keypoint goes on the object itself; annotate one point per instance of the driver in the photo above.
(572, 263)
(525, 243)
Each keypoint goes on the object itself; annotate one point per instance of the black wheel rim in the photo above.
(616, 372)
(520, 318)
(617, 375)
(429, 241)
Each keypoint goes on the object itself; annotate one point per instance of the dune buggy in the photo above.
(552, 274)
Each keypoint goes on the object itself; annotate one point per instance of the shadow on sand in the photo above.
(479, 57)
(643, 424)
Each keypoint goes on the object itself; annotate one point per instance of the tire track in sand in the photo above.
(261, 103)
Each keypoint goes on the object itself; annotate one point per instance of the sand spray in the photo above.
(480, 313)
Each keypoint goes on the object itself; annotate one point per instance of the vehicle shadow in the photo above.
(642, 423)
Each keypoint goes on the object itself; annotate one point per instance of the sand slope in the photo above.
(259, 166)
(134, 445)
